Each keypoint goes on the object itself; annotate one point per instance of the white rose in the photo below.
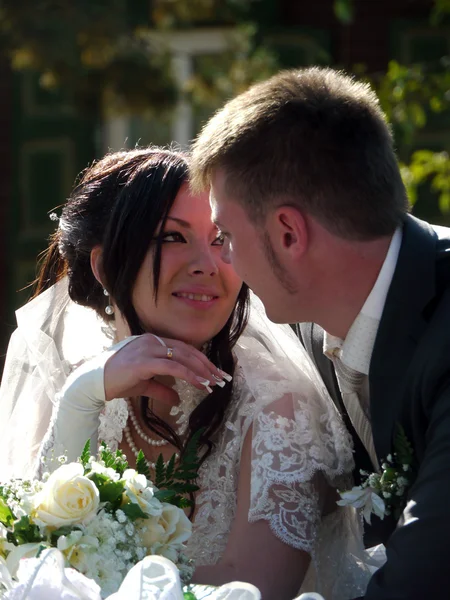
(78, 549)
(140, 492)
(82, 557)
(164, 534)
(67, 498)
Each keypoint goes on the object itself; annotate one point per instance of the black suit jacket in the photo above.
(409, 382)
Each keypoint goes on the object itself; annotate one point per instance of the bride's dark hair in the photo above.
(119, 204)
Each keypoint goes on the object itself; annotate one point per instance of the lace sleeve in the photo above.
(287, 486)
(300, 447)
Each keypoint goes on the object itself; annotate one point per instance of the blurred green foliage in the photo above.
(92, 48)
(101, 52)
(410, 96)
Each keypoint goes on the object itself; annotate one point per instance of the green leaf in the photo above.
(343, 9)
(133, 511)
(142, 465)
(107, 456)
(186, 475)
(175, 481)
(402, 446)
(25, 532)
(160, 471)
(100, 479)
(65, 530)
(170, 469)
(444, 202)
(165, 495)
(121, 462)
(6, 515)
(182, 502)
(184, 488)
(41, 549)
(86, 454)
(189, 596)
(112, 491)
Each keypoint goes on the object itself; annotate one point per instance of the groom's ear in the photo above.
(289, 231)
(97, 264)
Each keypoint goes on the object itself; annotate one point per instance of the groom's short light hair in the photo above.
(314, 138)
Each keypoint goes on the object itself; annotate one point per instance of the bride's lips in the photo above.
(200, 298)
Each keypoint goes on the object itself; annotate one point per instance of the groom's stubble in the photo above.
(278, 269)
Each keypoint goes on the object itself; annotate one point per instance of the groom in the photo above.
(306, 189)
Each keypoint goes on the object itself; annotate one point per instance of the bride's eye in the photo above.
(220, 239)
(173, 236)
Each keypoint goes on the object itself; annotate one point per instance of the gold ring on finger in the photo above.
(169, 353)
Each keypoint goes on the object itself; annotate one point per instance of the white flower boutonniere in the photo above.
(385, 493)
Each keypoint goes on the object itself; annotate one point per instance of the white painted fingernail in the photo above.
(225, 375)
(206, 383)
(219, 381)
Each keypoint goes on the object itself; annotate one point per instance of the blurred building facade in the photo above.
(45, 144)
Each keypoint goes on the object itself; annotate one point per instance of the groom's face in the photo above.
(247, 248)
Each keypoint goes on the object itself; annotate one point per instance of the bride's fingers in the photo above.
(172, 368)
(150, 346)
(144, 358)
(122, 376)
(184, 356)
(197, 355)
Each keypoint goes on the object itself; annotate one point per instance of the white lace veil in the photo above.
(53, 335)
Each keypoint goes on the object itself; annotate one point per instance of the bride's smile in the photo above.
(197, 290)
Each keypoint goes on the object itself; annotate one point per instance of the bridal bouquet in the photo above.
(153, 578)
(102, 516)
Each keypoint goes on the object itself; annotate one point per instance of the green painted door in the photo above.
(51, 145)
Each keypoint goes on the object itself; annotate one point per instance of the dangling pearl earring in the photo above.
(109, 309)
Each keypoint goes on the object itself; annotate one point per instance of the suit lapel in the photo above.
(401, 325)
(312, 337)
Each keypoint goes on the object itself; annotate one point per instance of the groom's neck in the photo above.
(348, 274)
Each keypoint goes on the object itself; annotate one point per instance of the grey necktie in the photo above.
(350, 383)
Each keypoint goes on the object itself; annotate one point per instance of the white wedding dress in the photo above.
(298, 441)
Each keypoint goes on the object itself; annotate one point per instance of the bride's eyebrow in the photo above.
(181, 222)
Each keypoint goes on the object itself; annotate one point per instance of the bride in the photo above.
(139, 335)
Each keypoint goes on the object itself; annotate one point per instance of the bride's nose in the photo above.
(203, 262)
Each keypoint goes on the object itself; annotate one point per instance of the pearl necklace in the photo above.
(135, 450)
(139, 431)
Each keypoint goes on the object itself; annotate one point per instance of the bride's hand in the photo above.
(131, 370)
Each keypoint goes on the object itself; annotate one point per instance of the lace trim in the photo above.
(285, 457)
(296, 519)
(113, 419)
(190, 398)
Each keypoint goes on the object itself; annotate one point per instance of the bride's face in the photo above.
(197, 291)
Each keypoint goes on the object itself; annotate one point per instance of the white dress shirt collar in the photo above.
(356, 350)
